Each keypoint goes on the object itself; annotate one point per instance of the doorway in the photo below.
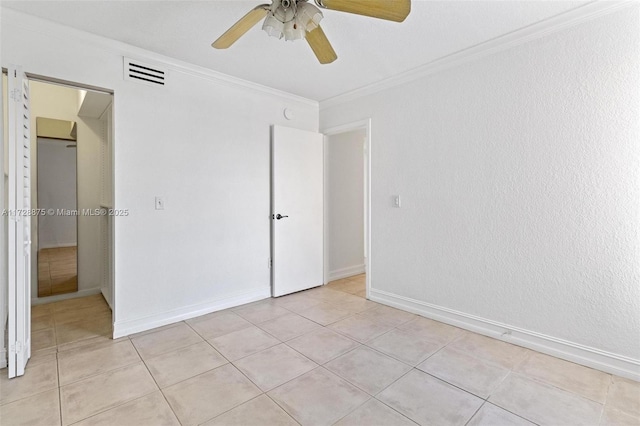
(65, 145)
(72, 179)
(347, 171)
(69, 128)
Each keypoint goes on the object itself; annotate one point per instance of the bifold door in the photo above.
(19, 232)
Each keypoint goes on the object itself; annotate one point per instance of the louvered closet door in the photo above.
(19, 302)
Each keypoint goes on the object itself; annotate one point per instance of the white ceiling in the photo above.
(369, 50)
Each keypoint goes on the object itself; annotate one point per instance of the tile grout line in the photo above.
(98, 373)
(495, 403)
(332, 358)
(281, 407)
(114, 407)
(60, 403)
(349, 381)
(509, 411)
(176, 350)
(229, 363)
(476, 412)
(155, 381)
(101, 411)
(237, 405)
(356, 408)
(391, 384)
(545, 383)
(301, 374)
(59, 384)
(606, 399)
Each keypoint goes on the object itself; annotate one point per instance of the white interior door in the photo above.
(19, 231)
(297, 210)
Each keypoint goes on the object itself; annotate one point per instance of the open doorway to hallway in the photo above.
(347, 171)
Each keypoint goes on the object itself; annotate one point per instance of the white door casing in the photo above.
(19, 228)
(297, 196)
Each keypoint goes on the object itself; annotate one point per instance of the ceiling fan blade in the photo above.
(321, 46)
(391, 10)
(242, 26)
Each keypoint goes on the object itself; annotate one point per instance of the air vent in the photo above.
(144, 73)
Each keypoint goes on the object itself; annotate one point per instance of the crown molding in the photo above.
(48, 28)
(535, 31)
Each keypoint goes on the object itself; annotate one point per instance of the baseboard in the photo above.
(59, 297)
(570, 351)
(345, 272)
(125, 328)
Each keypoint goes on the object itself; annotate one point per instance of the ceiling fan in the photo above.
(296, 19)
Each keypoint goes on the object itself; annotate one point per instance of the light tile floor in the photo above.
(55, 325)
(320, 357)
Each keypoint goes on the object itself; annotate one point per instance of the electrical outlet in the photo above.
(159, 203)
(396, 201)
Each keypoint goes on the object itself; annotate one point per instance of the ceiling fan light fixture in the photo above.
(308, 16)
(273, 27)
(291, 19)
(293, 31)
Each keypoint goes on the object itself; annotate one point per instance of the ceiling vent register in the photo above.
(141, 72)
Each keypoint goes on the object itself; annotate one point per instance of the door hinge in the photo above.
(16, 95)
(270, 263)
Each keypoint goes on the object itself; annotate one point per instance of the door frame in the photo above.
(365, 125)
(82, 86)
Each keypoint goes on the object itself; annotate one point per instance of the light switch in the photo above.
(396, 201)
(159, 203)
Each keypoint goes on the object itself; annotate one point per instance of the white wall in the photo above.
(519, 175)
(56, 190)
(62, 103)
(202, 142)
(344, 221)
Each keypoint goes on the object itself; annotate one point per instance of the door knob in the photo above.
(279, 216)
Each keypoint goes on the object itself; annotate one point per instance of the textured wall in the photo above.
(201, 143)
(519, 174)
